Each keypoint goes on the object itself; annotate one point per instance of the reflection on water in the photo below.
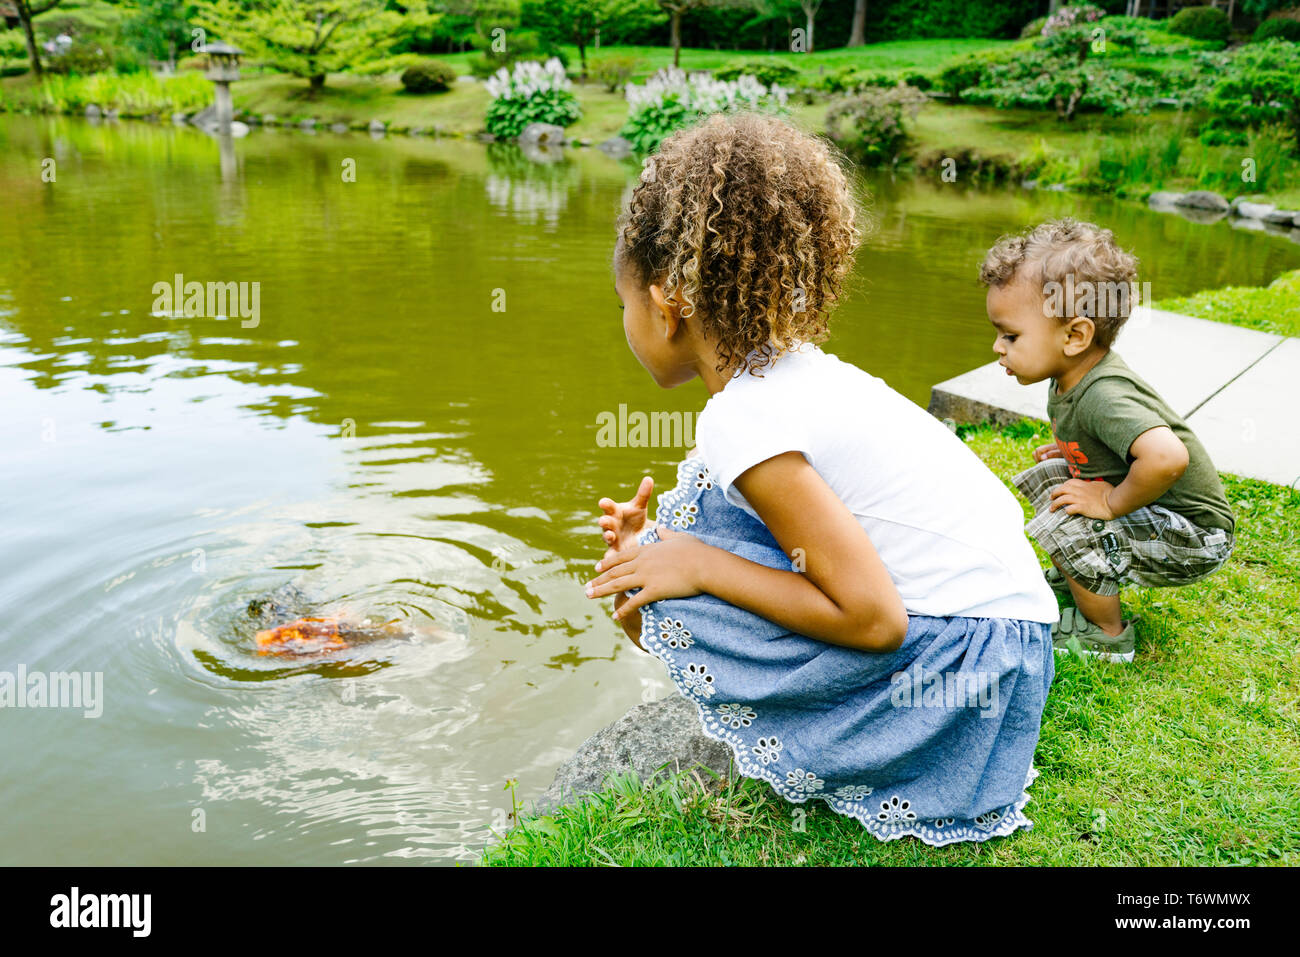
(387, 439)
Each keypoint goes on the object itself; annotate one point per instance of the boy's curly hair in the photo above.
(750, 225)
(1067, 249)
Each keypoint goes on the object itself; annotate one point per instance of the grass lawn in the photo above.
(1271, 308)
(1191, 755)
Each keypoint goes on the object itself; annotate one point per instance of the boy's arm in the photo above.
(1159, 460)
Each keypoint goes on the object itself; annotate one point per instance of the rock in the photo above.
(1204, 199)
(584, 142)
(415, 131)
(110, 114)
(269, 119)
(1252, 210)
(1163, 200)
(1296, 221)
(486, 138)
(338, 127)
(649, 736)
(616, 146)
(308, 124)
(93, 112)
(179, 118)
(1284, 217)
(1029, 184)
(1055, 187)
(542, 134)
(377, 126)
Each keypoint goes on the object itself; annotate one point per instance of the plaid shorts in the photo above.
(1149, 546)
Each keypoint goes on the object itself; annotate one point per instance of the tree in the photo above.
(310, 38)
(858, 34)
(161, 28)
(580, 21)
(675, 9)
(810, 8)
(27, 11)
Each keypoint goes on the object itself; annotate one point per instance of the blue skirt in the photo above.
(934, 740)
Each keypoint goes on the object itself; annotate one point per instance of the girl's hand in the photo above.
(670, 568)
(622, 522)
(1049, 451)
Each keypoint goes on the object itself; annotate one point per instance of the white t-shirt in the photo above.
(947, 529)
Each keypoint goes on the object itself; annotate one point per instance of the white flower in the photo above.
(527, 79)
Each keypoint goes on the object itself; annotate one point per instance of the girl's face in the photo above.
(655, 331)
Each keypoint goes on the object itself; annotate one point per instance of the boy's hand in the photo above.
(1049, 451)
(1080, 497)
(622, 522)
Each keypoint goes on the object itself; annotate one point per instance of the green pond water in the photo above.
(384, 438)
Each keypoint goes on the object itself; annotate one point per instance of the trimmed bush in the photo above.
(767, 72)
(428, 76)
(1279, 28)
(614, 71)
(871, 126)
(1202, 23)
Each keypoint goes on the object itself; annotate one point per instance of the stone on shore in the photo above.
(663, 732)
(542, 134)
(1204, 199)
(377, 126)
(1283, 217)
(1252, 210)
(1163, 200)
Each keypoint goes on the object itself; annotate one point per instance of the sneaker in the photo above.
(1077, 635)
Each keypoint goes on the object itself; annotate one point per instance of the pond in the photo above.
(409, 424)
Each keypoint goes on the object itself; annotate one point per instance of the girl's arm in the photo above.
(843, 595)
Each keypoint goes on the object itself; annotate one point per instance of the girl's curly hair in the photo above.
(750, 225)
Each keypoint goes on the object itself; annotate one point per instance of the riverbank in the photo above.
(1187, 757)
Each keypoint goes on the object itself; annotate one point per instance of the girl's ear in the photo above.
(671, 311)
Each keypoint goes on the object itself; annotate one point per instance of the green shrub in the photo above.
(971, 70)
(767, 72)
(81, 59)
(1203, 23)
(1278, 28)
(1034, 28)
(12, 45)
(870, 126)
(615, 71)
(428, 76)
(530, 93)
(1259, 85)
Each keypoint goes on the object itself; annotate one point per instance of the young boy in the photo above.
(1127, 492)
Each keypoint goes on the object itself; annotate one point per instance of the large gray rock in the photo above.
(1163, 200)
(1282, 217)
(1253, 210)
(542, 134)
(663, 732)
(1204, 199)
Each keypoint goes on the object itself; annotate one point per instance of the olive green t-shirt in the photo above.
(1097, 421)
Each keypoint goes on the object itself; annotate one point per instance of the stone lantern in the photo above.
(223, 70)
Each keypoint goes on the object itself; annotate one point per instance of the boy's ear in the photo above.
(1079, 334)
(671, 311)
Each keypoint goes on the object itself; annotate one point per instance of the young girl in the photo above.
(855, 610)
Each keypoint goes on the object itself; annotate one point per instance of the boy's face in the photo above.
(1030, 345)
